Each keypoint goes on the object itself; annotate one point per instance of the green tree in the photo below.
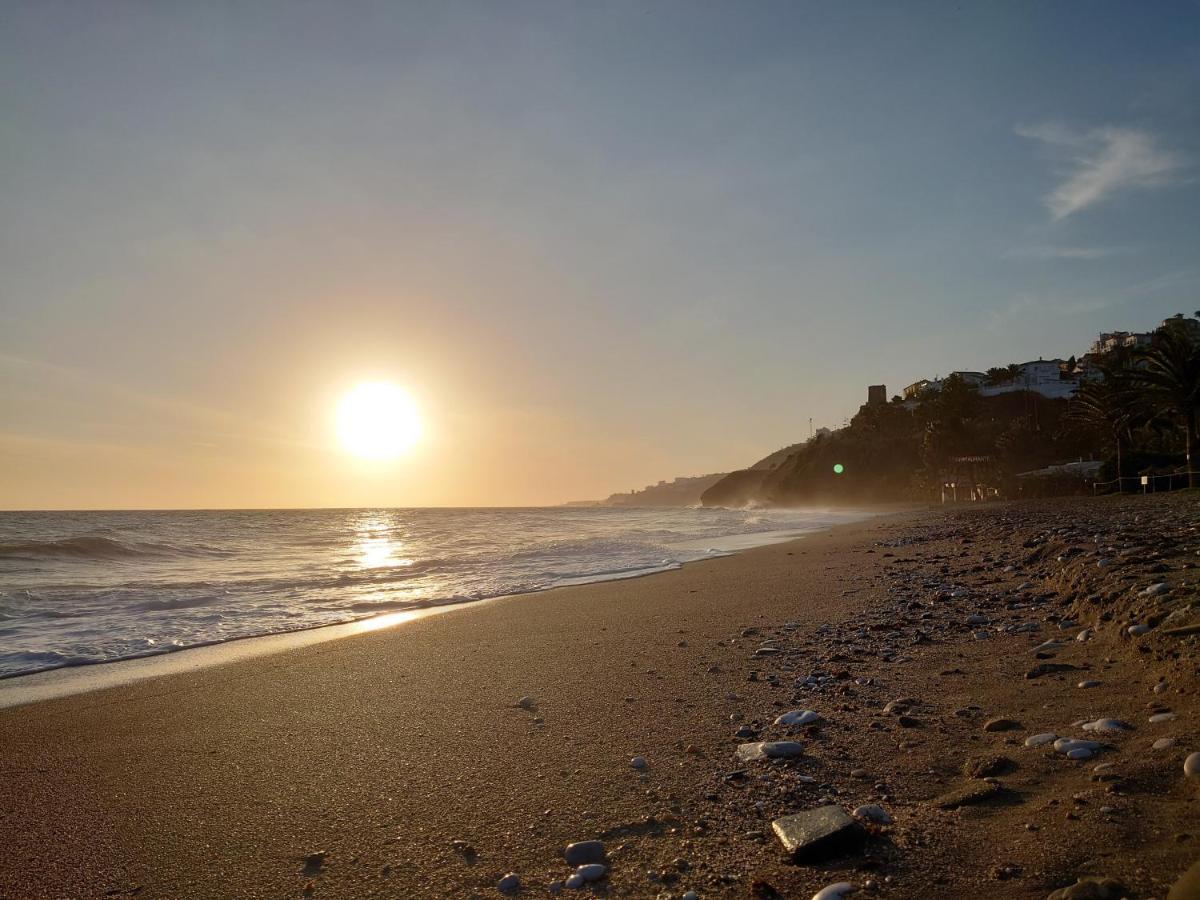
(1109, 406)
(1169, 370)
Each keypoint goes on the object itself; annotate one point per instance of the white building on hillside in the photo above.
(1042, 376)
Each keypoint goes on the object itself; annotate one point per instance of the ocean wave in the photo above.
(86, 547)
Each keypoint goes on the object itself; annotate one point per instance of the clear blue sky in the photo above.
(601, 243)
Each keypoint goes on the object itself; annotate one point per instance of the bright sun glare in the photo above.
(378, 420)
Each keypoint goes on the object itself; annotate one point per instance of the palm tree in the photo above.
(1170, 370)
(1111, 407)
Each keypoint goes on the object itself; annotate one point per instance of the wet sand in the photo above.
(381, 750)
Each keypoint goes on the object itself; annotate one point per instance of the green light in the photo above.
(838, 469)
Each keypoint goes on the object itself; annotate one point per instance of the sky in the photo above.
(600, 244)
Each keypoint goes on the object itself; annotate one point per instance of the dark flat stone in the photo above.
(818, 834)
(974, 793)
(1048, 669)
(583, 852)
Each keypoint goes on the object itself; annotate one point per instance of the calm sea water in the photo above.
(88, 587)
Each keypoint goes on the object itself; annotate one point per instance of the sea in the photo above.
(78, 588)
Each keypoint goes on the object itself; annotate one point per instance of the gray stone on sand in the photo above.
(1001, 725)
(509, 884)
(1163, 744)
(818, 834)
(1161, 717)
(798, 717)
(591, 871)
(759, 750)
(1191, 765)
(1107, 725)
(873, 812)
(582, 852)
(1038, 740)
(975, 793)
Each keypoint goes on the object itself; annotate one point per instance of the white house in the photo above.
(1042, 376)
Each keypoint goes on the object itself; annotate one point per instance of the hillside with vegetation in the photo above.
(1135, 413)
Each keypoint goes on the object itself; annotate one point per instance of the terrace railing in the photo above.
(1144, 484)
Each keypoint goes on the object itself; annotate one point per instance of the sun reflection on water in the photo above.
(374, 548)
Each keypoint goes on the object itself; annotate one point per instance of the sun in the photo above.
(378, 420)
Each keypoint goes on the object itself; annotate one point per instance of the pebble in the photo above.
(1001, 725)
(1138, 630)
(873, 812)
(527, 702)
(1070, 745)
(584, 852)
(1191, 765)
(1089, 684)
(1164, 744)
(575, 882)
(798, 717)
(1085, 635)
(834, 891)
(1162, 717)
(509, 884)
(768, 750)
(1038, 740)
(1157, 590)
(591, 872)
(638, 762)
(1107, 725)
(691, 895)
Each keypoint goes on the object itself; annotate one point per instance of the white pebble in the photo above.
(1164, 744)
(1191, 765)
(1139, 630)
(1162, 717)
(834, 891)
(1106, 725)
(1067, 745)
(591, 871)
(798, 717)
(1039, 740)
(1157, 590)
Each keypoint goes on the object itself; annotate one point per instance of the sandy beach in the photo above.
(398, 763)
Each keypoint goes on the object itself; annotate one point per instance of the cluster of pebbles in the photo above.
(1070, 598)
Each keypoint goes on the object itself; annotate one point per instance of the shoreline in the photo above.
(404, 764)
(21, 689)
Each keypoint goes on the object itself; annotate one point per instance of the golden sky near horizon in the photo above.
(600, 245)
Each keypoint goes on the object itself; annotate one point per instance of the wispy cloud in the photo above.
(1101, 162)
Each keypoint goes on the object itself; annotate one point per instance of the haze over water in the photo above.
(88, 587)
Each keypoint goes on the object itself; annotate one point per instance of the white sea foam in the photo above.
(89, 587)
